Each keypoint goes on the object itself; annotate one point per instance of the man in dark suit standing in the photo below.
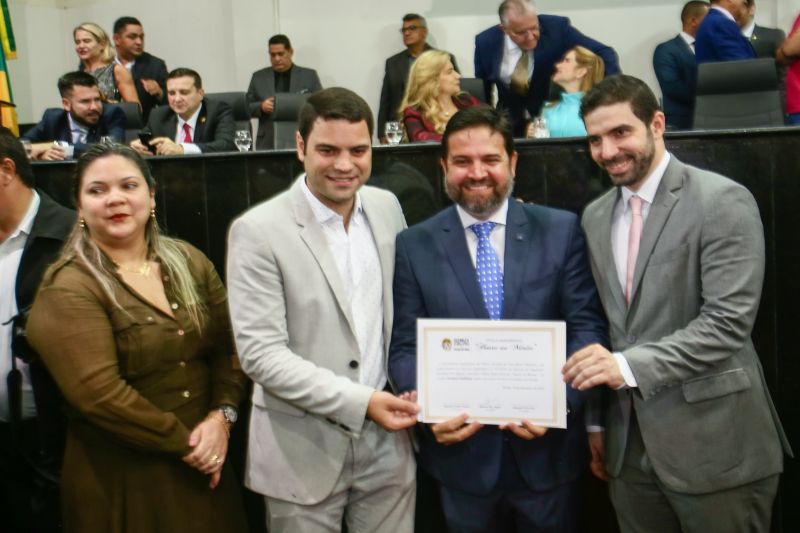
(676, 68)
(518, 57)
(283, 76)
(415, 34)
(32, 230)
(149, 72)
(191, 124)
(719, 37)
(512, 477)
(83, 119)
(692, 441)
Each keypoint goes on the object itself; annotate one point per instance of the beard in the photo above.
(88, 120)
(480, 205)
(641, 165)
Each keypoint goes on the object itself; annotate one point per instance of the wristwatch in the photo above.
(229, 413)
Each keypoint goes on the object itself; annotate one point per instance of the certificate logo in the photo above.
(447, 344)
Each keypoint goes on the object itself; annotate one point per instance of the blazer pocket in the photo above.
(267, 401)
(715, 386)
(668, 256)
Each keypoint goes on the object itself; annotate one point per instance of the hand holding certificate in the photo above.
(497, 371)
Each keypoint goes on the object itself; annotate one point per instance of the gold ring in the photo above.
(215, 458)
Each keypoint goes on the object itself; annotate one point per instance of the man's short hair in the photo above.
(181, 72)
(330, 104)
(620, 89)
(693, 8)
(11, 148)
(121, 22)
(408, 17)
(69, 80)
(280, 39)
(475, 117)
(516, 5)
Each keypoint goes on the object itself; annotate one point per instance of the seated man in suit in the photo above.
(415, 33)
(191, 124)
(494, 478)
(676, 68)
(518, 57)
(282, 77)
(83, 119)
(149, 72)
(719, 37)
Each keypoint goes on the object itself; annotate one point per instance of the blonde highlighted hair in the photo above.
(422, 88)
(100, 36)
(593, 63)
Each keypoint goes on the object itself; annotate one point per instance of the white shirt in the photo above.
(748, 30)
(78, 133)
(511, 55)
(724, 12)
(688, 39)
(129, 65)
(356, 256)
(620, 228)
(188, 148)
(497, 237)
(10, 256)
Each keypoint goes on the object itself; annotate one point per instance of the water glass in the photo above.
(69, 150)
(394, 134)
(107, 139)
(243, 140)
(26, 144)
(540, 130)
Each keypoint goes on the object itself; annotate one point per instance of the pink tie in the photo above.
(187, 133)
(634, 237)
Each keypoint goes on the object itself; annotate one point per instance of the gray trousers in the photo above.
(376, 491)
(644, 505)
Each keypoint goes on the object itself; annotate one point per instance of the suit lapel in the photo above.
(664, 201)
(200, 127)
(519, 239)
(311, 233)
(605, 251)
(454, 243)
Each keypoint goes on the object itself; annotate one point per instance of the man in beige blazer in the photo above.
(692, 440)
(309, 280)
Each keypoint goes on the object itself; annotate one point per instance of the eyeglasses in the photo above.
(409, 29)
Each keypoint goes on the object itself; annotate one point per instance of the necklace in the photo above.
(143, 270)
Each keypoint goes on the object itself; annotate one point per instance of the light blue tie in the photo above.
(490, 275)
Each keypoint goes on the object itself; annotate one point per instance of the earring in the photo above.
(153, 214)
(82, 223)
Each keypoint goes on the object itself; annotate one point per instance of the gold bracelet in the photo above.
(223, 422)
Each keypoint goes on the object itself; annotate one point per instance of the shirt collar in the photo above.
(26, 224)
(192, 122)
(75, 127)
(688, 39)
(724, 12)
(647, 191)
(324, 214)
(748, 30)
(498, 217)
(511, 46)
(129, 65)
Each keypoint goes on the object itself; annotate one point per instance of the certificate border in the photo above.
(557, 330)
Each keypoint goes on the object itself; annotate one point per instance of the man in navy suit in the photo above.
(83, 120)
(719, 37)
(191, 124)
(149, 72)
(676, 68)
(496, 478)
(528, 45)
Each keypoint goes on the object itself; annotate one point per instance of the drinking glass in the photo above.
(394, 134)
(540, 130)
(107, 139)
(243, 140)
(26, 144)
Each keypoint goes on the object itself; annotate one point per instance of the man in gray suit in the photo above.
(692, 440)
(282, 77)
(310, 286)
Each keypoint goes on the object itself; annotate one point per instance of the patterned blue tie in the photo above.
(490, 275)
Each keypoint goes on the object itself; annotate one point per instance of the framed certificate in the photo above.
(496, 371)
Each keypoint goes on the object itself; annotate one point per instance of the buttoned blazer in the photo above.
(54, 126)
(149, 67)
(213, 131)
(546, 277)
(720, 39)
(676, 70)
(702, 405)
(557, 36)
(262, 86)
(296, 339)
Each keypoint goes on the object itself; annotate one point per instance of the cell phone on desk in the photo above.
(145, 137)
